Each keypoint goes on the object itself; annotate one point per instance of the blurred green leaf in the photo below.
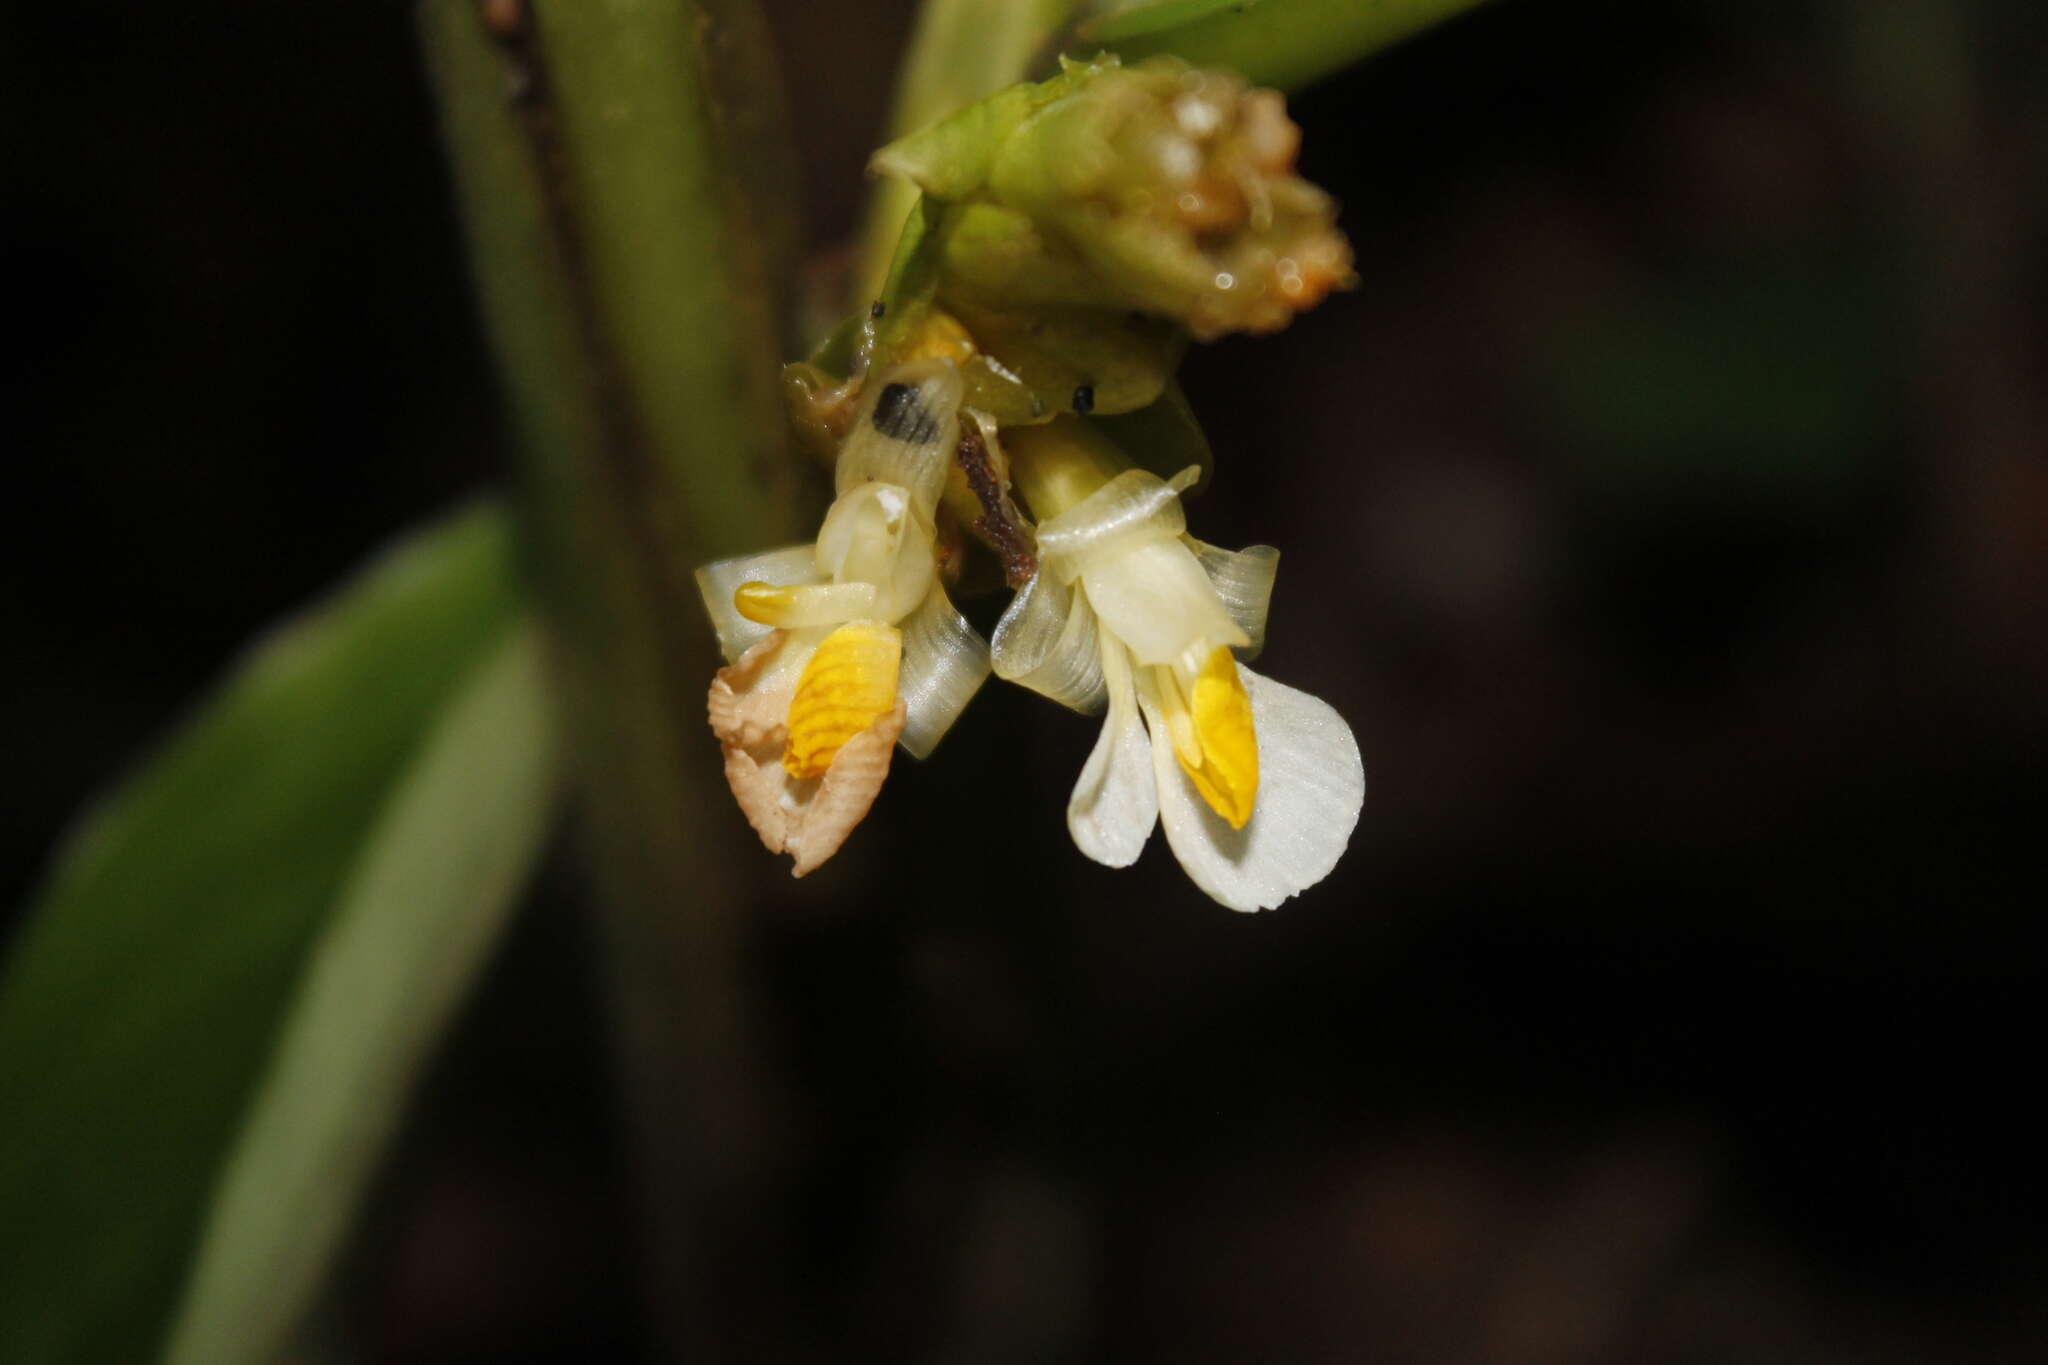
(428, 896)
(1140, 18)
(1282, 43)
(144, 999)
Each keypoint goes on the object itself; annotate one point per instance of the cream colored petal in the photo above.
(1046, 641)
(906, 432)
(1155, 598)
(786, 567)
(827, 813)
(875, 534)
(1134, 506)
(1244, 581)
(1311, 788)
(1116, 802)
(944, 663)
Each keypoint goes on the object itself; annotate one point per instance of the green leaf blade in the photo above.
(424, 903)
(140, 1004)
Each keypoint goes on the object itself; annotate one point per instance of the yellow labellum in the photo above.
(1228, 773)
(848, 685)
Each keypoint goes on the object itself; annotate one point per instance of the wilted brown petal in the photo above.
(807, 818)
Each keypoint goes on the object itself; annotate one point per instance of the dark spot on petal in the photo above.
(902, 416)
(1084, 399)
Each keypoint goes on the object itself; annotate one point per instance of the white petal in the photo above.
(1116, 802)
(787, 567)
(1244, 580)
(1046, 642)
(944, 662)
(1311, 787)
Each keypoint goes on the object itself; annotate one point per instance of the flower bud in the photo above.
(1159, 187)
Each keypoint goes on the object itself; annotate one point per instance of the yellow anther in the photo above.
(849, 684)
(807, 604)
(1228, 773)
(763, 603)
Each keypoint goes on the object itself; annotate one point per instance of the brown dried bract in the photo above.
(807, 818)
(1000, 526)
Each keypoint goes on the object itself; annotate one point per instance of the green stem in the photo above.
(609, 170)
(1060, 463)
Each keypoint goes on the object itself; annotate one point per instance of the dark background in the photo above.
(1667, 510)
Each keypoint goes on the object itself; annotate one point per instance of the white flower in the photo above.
(1259, 785)
(841, 649)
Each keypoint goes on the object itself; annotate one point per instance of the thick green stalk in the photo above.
(610, 160)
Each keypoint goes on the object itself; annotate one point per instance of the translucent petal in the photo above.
(1046, 641)
(1134, 507)
(908, 427)
(791, 564)
(1154, 596)
(1116, 802)
(944, 662)
(1311, 788)
(1244, 580)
